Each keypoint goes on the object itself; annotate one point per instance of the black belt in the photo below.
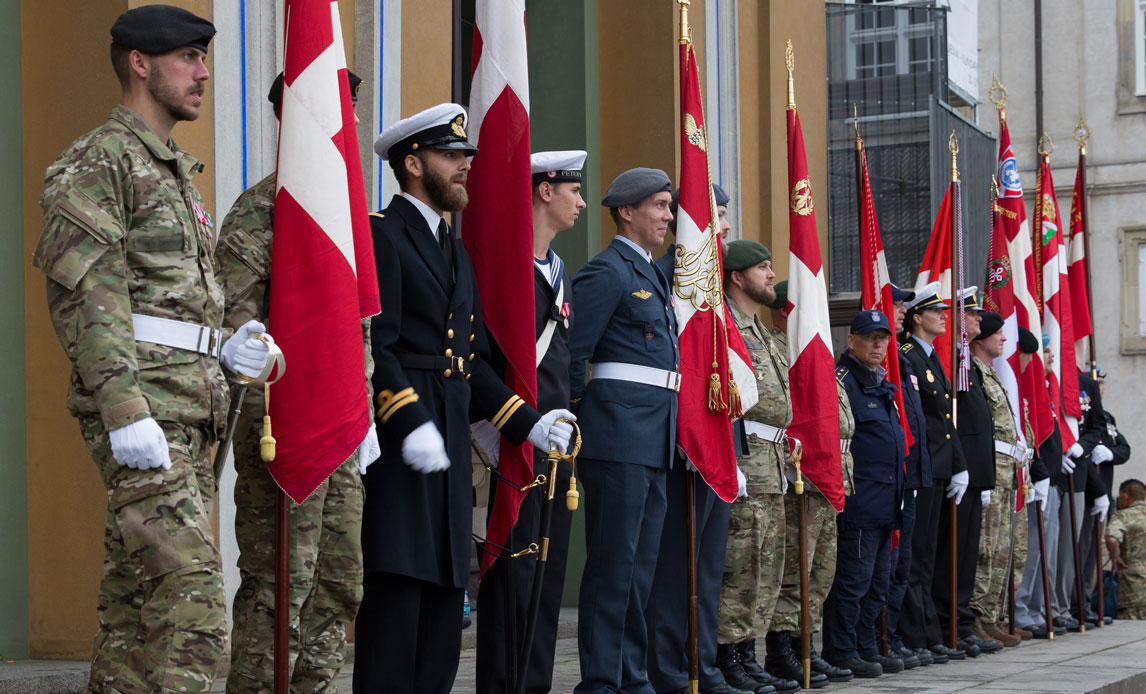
(449, 366)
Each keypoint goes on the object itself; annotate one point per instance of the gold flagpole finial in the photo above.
(790, 63)
(1081, 133)
(1047, 149)
(994, 190)
(856, 123)
(998, 93)
(685, 34)
(953, 147)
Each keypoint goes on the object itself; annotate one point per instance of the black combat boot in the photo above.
(833, 673)
(781, 661)
(728, 662)
(756, 672)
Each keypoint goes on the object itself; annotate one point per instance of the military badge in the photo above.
(201, 215)
(930, 376)
(456, 126)
(642, 294)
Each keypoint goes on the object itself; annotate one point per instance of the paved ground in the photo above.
(1110, 660)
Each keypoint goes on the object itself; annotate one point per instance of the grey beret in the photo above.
(635, 185)
(717, 193)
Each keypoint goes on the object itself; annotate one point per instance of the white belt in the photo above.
(636, 373)
(845, 445)
(766, 431)
(1009, 449)
(174, 333)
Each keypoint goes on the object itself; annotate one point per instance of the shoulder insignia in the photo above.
(379, 215)
(642, 294)
(842, 373)
(906, 347)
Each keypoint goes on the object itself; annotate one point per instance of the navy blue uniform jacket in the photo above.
(877, 448)
(624, 314)
(918, 457)
(935, 396)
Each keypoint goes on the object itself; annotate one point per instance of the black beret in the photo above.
(275, 96)
(635, 185)
(155, 29)
(744, 253)
(1028, 343)
(989, 324)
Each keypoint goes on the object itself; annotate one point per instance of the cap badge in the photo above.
(875, 316)
(551, 174)
(456, 126)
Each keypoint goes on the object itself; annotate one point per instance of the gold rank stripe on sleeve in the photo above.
(506, 412)
(389, 403)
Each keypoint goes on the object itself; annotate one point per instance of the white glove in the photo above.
(244, 353)
(489, 439)
(1068, 464)
(548, 432)
(1032, 494)
(958, 486)
(741, 484)
(140, 445)
(1101, 507)
(1101, 454)
(914, 493)
(424, 450)
(985, 496)
(368, 450)
(1042, 490)
(1074, 451)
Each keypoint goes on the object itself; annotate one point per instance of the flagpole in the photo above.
(953, 508)
(1082, 134)
(282, 559)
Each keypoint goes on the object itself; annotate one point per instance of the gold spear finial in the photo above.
(1081, 134)
(997, 95)
(685, 34)
(790, 63)
(856, 123)
(1048, 149)
(953, 147)
(994, 190)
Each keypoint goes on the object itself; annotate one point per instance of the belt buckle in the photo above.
(672, 382)
(458, 365)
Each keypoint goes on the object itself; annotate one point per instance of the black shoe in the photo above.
(466, 621)
(722, 688)
(889, 663)
(1068, 623)
(970, 648)
(1039, 631)
(752, 669)
(1107, 619)
(861, 667)
(926, 657)
(781, 661)
(833, 673)
(987, 646)
(728, 662)
(951, 653)
(910, 660)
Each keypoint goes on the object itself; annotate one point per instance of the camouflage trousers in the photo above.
(325, 574)
(989, 599)
(821, 522)
(161, 613)
(753, 568)
(1135, 612)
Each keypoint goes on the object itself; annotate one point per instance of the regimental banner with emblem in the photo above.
(815, 408)
(1011, 291)
(1054, 289)
(717, 381)
(323, 281)
(498, 227)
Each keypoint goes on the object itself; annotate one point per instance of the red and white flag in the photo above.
(497, 227)
(323, 282)
(815, 407)
(875, 286)
(1011, 292)
(1051, 277)
(936, 267)
(1079, 294)
(717, 381)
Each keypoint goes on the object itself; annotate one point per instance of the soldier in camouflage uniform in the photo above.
(127, 248)
(989, 599)
(1126, 544)
(754, 560)
(326, 533)
(782, 659)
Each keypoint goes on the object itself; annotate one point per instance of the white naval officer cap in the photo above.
(926, 296)
(561, 166)
(438, 127)
(969, 299)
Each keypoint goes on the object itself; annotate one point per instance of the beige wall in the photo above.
(427, 54)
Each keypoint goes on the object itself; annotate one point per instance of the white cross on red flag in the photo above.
(323, 281)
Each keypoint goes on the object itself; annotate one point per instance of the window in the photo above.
(1140, 47)
(1133, 253)
(889, 41)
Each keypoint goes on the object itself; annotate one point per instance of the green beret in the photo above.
(155, 29)
(744, 254)
(781, 301)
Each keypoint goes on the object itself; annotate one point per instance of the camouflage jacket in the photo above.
(1128, 526)
(1006, 429)
(126, 232)
(762, 466)
(243, 266)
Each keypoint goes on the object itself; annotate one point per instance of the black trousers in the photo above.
(667, 621)
(900, 570)
(501, 622)
(407, 636)
(968, 522)
(918, 623)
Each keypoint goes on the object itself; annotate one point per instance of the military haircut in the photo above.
(1134, 489)
(121, 63)
(401, 172)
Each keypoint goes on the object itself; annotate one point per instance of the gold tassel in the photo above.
(735, 407)
(715, 396)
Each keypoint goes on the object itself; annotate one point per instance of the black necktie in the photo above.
(445, 242)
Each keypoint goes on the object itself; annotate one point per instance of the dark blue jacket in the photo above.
(918, 457)
(877, 449)
(624, 314)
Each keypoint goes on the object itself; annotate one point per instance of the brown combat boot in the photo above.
(993, 631)
(1024, 634)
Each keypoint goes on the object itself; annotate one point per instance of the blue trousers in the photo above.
(863, 568)
(624, 513)
(900, 571)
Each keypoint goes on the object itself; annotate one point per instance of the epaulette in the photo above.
(379, 215)
(906, 347)
(841, 373)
